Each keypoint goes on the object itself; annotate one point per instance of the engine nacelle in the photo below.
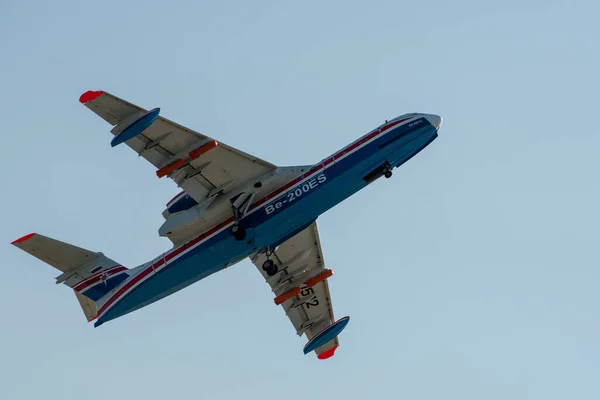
(186, 218)
(181, 202)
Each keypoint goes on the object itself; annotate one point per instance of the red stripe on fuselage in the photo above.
(326, 162)
(175, 252)
(159, 263)
(96, 277)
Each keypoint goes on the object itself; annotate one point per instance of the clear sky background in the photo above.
(472, 274)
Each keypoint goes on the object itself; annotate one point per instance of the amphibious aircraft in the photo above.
(233, 205)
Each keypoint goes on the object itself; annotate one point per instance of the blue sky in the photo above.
(471, 274)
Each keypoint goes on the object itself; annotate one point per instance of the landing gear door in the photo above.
(241, 204)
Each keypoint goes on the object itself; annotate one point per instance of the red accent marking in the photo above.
(282, 298)
(318, 278)
(90, 95)
(202, 149)
(130, 283)
(93, 279)
(159, 263)
(118, 268)
(24, 238)
(173, 199)
(327, 353)
(170, 168)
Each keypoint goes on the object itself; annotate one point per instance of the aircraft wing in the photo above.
(197, 163)
(301, 286)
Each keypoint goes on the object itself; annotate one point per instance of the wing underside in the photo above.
(301, 286)
(205, 169)
(197, 163)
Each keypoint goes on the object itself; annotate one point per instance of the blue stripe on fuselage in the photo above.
(97, 291)
(342, 179)
(372, 155)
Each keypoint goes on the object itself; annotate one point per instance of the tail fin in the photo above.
(91, 275)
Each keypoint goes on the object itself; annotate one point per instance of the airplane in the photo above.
(233, 206)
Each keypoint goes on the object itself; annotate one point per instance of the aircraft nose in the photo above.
(434, 120)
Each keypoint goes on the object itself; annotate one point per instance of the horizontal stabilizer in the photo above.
(62, 256)
(90, 274)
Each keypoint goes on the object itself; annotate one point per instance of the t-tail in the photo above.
(90, 274)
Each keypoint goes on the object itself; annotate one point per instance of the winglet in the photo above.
(24, 238)
(90, 95)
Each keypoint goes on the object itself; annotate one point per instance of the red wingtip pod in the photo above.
(90, 95)
(170, 168)
(24, 238)
(282, 298)
(202, 149)
(327, 353)
(321, 277)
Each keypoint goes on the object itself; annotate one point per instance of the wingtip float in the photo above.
(136, 127)
(326, 335)
(130, 131)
